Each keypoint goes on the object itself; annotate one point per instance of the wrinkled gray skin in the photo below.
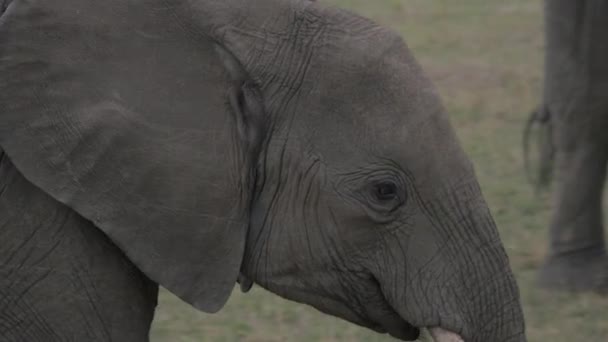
(299, 146)
(575, 115)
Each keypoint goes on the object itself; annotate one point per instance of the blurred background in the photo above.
(485, 56)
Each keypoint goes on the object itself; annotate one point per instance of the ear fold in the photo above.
(137, 126)
(251, 124)
(247, 106)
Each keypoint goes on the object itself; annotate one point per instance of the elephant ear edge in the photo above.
(155, 149)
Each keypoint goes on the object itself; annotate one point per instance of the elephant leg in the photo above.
(577, 258)
(576, 96)
(61, 279)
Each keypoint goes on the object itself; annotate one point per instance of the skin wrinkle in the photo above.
(38, 320)
(91, 331)
(260, 187)
(307, 200)
(274, 200)
(274, 197)
(18, 298)
(330, 242)
(349, 285)
(256, 131)
(31, 334)
(449, 216)
(311, 202)
(27, 270)
(360, 196)
(92, 299)
(395, 281)
(290, 81)
(494, 317)
(330, 249)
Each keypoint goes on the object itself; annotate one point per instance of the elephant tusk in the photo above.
(441, 335)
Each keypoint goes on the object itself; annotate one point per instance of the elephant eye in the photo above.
(380, 191)
(386, 196)
(386, 191)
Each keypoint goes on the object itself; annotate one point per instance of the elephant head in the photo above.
(298, 145)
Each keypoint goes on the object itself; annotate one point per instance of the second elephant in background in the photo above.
(575, 113)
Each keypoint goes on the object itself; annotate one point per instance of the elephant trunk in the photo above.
(459, 284)
(467, 306)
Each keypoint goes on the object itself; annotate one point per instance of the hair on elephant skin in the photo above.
(575, 121)
(196, 143)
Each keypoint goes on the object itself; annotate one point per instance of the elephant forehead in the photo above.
(389, 111)
(386, 106)
(378, 85)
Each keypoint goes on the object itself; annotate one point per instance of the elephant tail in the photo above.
(539, 125)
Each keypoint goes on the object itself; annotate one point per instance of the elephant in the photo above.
(574, 119)
(197, 144)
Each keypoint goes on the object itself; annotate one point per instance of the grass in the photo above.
(485, 56)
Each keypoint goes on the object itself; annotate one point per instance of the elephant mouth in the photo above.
(388, 320)
(407, 332)
(397, 328)
(380, 316)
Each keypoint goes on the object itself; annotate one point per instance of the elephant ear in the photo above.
(137, 123)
